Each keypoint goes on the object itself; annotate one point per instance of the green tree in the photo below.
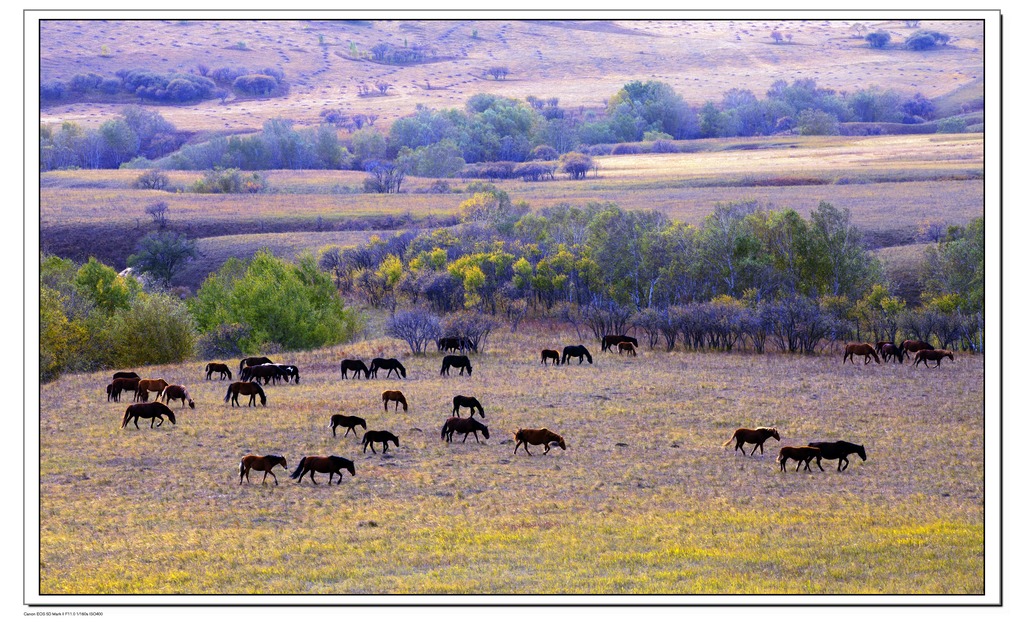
(156, 329)
(163, 255)
(813, 122)
(577, 165)
(843, 266)
(878, 39)
(101, 283)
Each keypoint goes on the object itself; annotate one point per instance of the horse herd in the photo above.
(923, 352)
(802, 454)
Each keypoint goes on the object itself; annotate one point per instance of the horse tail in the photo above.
(228, 395)
(444, 431)
(729, 441)
(124, 421)
(298, 469)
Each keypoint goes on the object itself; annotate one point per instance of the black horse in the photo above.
(218, 367)
(356, 366)
(253, 361)
(455, 343)
(578, 351)
(288, 371)
(466, 401)
(549, 354)
(612, 341)
(465, 426)
(152, 411)
(379, 436)
(126, 375)
(332, 465)
(839, 450)
(460, 362)
(388, 364)
(349, 422)
(263, 373)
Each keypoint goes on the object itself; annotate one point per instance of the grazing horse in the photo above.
(890, 351)
(388, 364)
(932, 355)
(263, 373)
(756, 437)
(801, 454)
(349, 422)
(332, 465)
(455, 343)
(126, 375)
(460, 362)
(379, 436)
(613, 341)
(862, 348)
(253, 361)
(218, 367)
(287, 371)
(173, 391)
(149, 385)
(578, 351)
(258, 462)
(250, 388)
(526, 437)
(466, 401)
(627, 347)
(119, 385)
(913, 346)
(397, 397)
(356, 366)
(152, 410)
(465, 426)
(839, 450)
(549, 354)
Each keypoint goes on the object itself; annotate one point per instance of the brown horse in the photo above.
(150, 385)
(250, 388)
(152, 410)
(549, 354)
(218, 367)
(612, 341)
(397, 397)
(332, 465)
(802, 454)
(258, 462)
(627, 347)
(526, 437)
(861, 348)
(932, 355)
(913, 346)
(890, 351)
(349, 422)
(465, 426)
(174, 391)
(378, 436)
(756, 437)
(119, 385)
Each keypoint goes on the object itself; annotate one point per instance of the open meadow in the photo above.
(644, 500)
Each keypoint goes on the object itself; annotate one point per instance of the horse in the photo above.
(331, 465)
(839, 450)
(802, 454)
(627, 347)
(379, 436)
(126, 375)
(349, 422)
(119, 385)
(932, 355)
(466, 401)
(218, 367)
(890, 351)
(861, 349)
(149, 385)
(245, 387)
(266, 464)
(152, 410)
(253, 361)
(287, 371)
(455, 343)
(388, 364)
(526, 437)
(397, 397)
(463, 425)
(612, 341)
(756, 437)
(173, 391)
(356, 366)
(460, 362)
(263, 373)
(913, 346)
(549, 354)
(577, 351)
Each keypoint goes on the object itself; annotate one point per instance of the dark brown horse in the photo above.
(258, 462)
(349, 422)
(152, 410)
(526, 437)
(253, 361)
(613, 341)
(356, 366)
(250, 388)
(627, 347)
(121, 384)
(913, 346)
(756, 437)
(802, 454)
(379, 436)
(465, 426)
(332, 465)
(460, 362)
(397, 397)
(218, 367)
(173, 392)
(466, 401)
(388, 364)
(149, 385)
(549, 354)
(839, 450)
(577, 351)
(861, 348)
(126, 375)
(890, 351)
(932, 355)
(263, 373)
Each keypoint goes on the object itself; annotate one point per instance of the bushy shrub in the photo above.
(153, 180)
(662, 146)
(951, 125)
(156, 329)
(255, 84)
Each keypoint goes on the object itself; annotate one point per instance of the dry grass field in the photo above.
(644, 500)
